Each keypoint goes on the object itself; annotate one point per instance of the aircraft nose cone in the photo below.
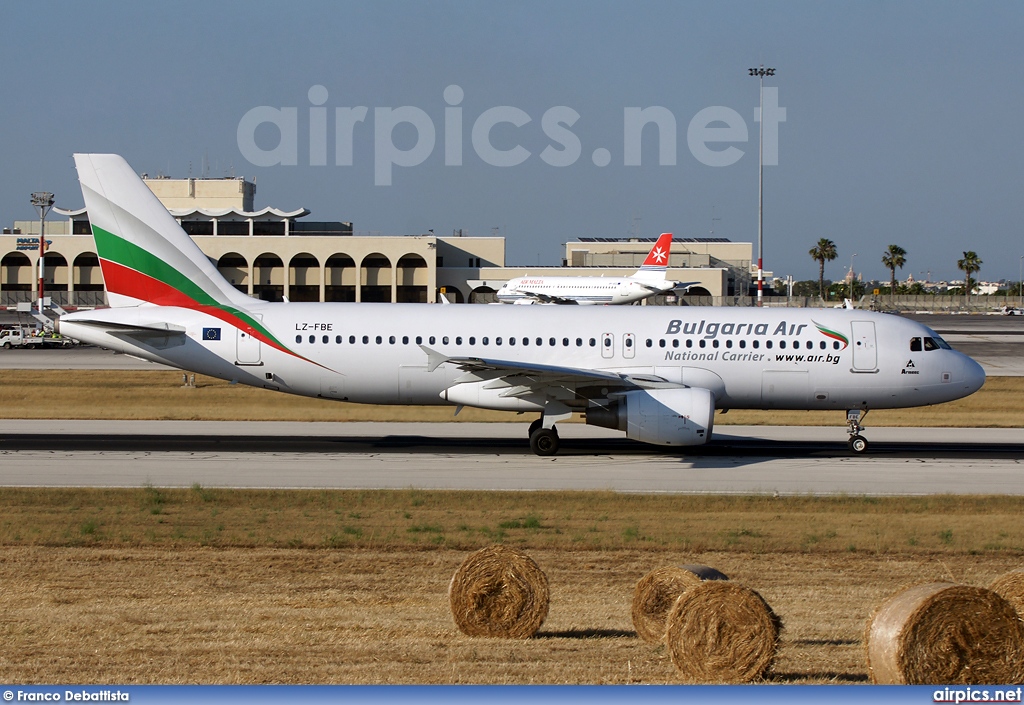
(974, 374)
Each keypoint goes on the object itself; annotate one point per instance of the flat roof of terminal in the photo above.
(652, 239)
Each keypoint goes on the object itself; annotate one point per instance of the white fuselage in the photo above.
(585, 291)
(371, 353)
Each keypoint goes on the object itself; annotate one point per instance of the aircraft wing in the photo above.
(675, 285)
(546, 298)
(538, 377)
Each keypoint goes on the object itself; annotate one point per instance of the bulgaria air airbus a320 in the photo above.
(656, 373)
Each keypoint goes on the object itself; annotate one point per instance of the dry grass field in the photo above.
(225, 586)
(107, 394)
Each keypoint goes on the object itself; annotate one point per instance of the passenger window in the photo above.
(608, 343)
(497, 341)
(472, 340)
(405, 340)
(551, 342)
(444, 340)
(714, 343)
(431, 339)
(782, 344)
(483, 340)
(337, 339)
(661, 343)
(728, 343)
(768, 344)
(650, 342)
(629, 342)
(756, 344)
(930, 344)
(298, 338)
(835, 344)
(821, 345)
(579, 342)
(703, 343)
(419, 340)
(312, 338)
(593, 342)
(379, 340)
(675, 342)
(511, 340)
(689, 342)
(743, 343)
(351, 340)
(565, 342)
(391, 340)
(458, 340)
(915, 345)
(326, 339)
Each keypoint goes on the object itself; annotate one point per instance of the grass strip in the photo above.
(389, 520)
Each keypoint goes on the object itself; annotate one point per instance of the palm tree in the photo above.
(969, 264)
(824, 250)
(894, 258)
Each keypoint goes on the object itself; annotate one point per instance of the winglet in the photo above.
(434, 358)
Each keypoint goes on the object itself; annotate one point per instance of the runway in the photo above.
(468, 456)
(783, 460)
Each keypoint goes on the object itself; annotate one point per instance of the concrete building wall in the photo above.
(181, 194)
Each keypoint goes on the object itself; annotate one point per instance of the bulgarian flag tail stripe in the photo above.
(165, 286)
(829, 333)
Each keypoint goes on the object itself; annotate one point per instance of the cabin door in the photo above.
(247, 349)
(608, 345)
(865, 354)
(628, 346)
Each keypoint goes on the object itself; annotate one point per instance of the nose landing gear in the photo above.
(858, 443)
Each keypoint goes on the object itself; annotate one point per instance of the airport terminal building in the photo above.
(276, 254)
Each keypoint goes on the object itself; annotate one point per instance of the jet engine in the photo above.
(667, 417)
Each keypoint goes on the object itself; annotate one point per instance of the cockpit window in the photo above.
(936, 343)
(915, 345)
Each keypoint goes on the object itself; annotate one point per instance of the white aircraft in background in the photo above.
(587, 291)
(658, 373)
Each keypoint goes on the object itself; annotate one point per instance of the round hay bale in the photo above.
(499, 592)
(945, 633)
(1010, 587)
(658, 591)
(721, 632)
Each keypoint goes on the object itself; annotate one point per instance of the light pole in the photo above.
(760, 73)
(43, 201)
(852, 276)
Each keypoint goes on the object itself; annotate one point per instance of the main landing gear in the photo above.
(543, 436)
(858, 443)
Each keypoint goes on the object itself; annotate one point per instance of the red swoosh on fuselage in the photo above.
(130, 282)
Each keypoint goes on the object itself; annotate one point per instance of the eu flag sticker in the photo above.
(211, 333)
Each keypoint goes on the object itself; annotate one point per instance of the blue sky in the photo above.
(903, 119)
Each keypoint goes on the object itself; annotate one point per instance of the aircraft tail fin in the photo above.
(656, 265)
(144, 254)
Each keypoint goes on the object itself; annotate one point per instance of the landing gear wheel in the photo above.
(858, 444)
(534, 426)
(544, 441)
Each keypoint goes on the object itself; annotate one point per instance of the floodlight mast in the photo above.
(43, 201)
(760, 72)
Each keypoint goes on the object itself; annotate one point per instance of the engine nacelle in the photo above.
(667, 417)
